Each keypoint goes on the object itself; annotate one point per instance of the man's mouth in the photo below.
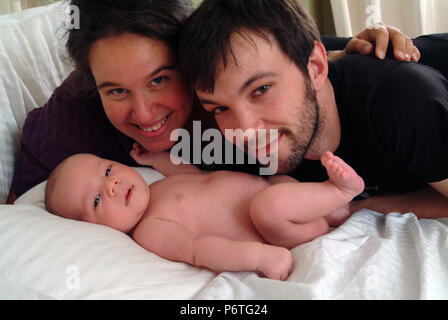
(129, 194)
(267, 145)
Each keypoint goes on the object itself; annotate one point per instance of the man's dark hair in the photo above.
(206, 34)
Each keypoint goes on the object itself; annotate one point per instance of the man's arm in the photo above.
(441, 187)
(426, 203)
(409, 115)
(171, 241)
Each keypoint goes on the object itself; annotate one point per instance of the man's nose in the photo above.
(250, 118)
(251, 123)
(111, 185)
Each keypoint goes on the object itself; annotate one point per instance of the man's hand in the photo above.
(378, 37)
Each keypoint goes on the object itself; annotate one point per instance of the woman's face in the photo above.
(143, 93)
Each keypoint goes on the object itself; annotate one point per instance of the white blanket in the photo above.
(371, 256)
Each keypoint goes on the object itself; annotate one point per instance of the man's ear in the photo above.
(318, 66)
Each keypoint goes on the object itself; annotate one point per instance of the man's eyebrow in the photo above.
(207, 102)
(246, 84)
(152, 74)
(254, 78)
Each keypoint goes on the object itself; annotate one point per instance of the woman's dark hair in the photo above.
(99, 19)
(206, 34)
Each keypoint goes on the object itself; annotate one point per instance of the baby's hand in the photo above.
(275, 262)
(141, 155)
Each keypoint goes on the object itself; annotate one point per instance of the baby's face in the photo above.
(101, 191)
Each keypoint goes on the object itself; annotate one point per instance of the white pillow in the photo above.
(43, 256)
(32, 64)
(36, 195)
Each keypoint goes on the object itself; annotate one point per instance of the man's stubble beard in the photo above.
(307, 132)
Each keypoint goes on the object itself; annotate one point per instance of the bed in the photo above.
(42, 256)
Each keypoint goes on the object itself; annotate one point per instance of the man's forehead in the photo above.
(246, 44)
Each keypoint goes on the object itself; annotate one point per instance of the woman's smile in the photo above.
(156, 129)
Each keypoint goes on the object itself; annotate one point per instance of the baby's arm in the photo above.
(161, 161)
(171, 241)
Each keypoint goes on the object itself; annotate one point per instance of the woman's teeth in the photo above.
(155, 127)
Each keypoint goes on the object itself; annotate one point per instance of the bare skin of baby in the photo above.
(234, 221)
(224, 221)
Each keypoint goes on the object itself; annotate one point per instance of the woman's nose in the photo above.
(144, 108)
(111, 185)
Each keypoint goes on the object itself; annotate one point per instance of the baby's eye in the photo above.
(108, 171)
(96, 201)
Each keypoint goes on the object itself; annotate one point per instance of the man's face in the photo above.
(261, 88)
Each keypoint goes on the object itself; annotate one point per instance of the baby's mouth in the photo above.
(129, 194)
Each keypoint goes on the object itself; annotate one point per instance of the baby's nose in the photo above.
(111, 185)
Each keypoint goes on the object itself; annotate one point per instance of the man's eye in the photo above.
(262, 90)
(108, 171)
(219, 110)
(96, 201)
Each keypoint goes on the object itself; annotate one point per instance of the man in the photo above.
(261, 65)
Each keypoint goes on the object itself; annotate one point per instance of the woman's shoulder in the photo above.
(66, 99)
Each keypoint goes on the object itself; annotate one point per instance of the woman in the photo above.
(126, 87)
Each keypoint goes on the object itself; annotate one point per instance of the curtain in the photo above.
(322, 14)
(413, 17)
(11, 6)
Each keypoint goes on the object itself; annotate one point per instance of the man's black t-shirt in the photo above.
(394, 123)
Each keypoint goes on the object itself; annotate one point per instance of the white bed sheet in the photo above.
(371, 256)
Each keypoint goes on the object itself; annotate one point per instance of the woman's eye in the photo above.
(158, 80)
(262, 90)
(96, 201)
(219, 110)
(108, 171)
(118, 91)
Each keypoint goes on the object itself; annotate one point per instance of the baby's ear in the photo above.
(318, 66)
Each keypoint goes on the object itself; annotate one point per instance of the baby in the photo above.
(224, 220)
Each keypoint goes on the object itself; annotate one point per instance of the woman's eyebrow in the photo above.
(158, 70)
(152, 74)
